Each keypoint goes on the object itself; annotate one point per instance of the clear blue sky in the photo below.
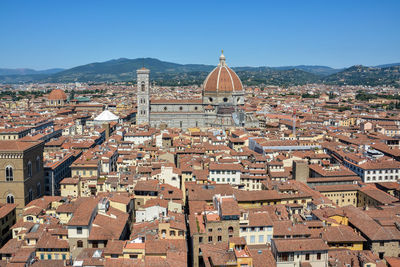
(59, 33)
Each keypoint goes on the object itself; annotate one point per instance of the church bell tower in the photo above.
(143, 95)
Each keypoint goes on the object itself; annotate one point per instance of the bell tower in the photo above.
(143, 96)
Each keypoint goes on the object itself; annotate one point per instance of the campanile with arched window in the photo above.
(143, 95)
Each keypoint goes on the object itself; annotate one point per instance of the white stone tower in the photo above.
(143, 96)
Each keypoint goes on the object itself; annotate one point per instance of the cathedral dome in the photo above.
(57, 94)
(222, 79)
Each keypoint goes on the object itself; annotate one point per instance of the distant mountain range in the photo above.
(168, 73)
(387, 65)
(372, 76)
(27, 71)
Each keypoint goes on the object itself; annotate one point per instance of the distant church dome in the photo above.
(57, 94)
(222, 79)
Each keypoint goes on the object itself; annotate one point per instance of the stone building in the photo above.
(213, 226)
(7, 219)
(54, 172)
(21, 175)
(221, 104)
(293, 252)
(14, 133)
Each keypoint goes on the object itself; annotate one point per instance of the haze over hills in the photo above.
(125, 69)
(24, 71)
(372, 76)
(168, 73)
(387, 65)
(319, 70)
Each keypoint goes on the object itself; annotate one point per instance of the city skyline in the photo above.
(199, 133)
(45, 34)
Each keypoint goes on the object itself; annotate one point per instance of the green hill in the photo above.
(123, 70)
(167, 73)
(369, 76)
(269, 76)
(25, 71)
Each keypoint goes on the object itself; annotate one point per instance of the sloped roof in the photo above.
(106, 115)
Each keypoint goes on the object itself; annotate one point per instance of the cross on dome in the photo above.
(222, 59)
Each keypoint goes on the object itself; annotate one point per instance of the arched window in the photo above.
(230, 229)
(29, 169)
(143, 87)
(37, 163)
(9, 174)
(10, 199)
(79, 244)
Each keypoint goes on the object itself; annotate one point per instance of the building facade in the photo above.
(7, 220)
(55, 172)
(21, 175)
(300, 252)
